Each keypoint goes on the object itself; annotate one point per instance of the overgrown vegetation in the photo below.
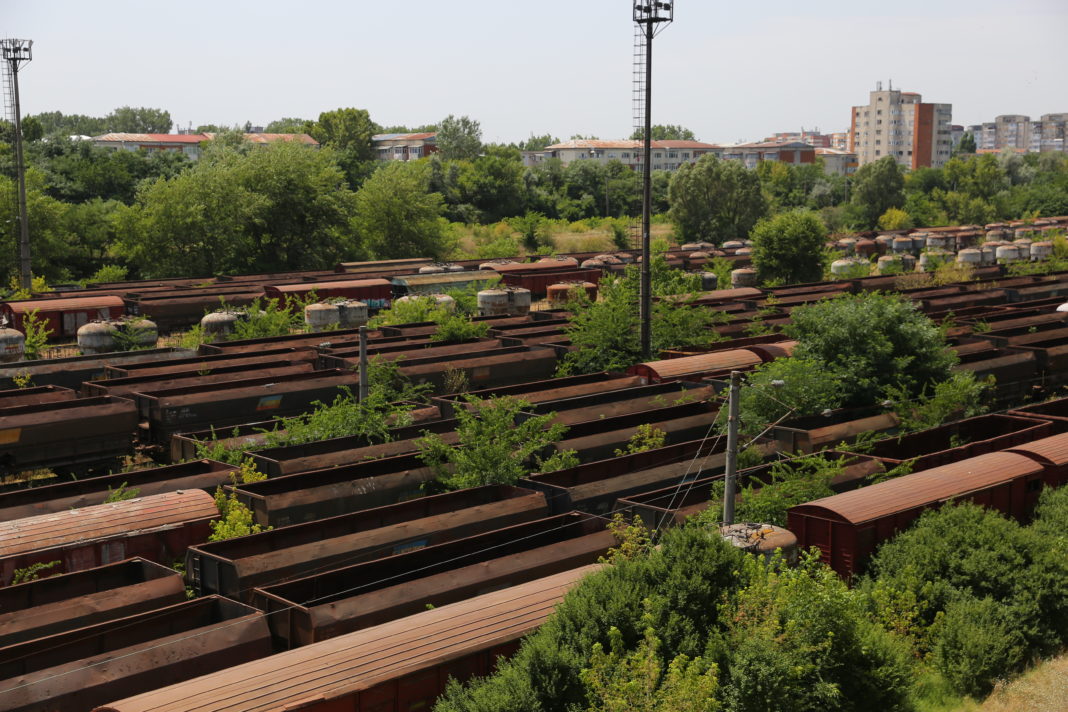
(235, 518)
(36, 331)
(32, 572)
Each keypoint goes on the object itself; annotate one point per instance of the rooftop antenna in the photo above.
(650, 18)
(16, 53)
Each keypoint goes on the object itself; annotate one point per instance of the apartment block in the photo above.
(404, 147)
(900, 124)
(1016, 132)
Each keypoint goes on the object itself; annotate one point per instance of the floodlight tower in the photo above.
(16, 53)
(650, 18)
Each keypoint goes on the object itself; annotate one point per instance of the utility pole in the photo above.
(364, 381)
(17, 52)
(648, 16)
(732, 447)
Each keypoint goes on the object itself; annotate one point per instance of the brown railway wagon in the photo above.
(548, 390)
(413, 262)
(80, 669)
(1052, 354)
(815, 432)
(60, 603)
(179, 311)
(62, 317)
(132, 385)
(316, 494)
(672, 505)
(71, 372)
(737, 343)
(979, 435)
(401, 665)
(595, 486)
(598, 440)
(255, 346)
(158, 528)
(416, 354)
(539, 281)
(35, 396)
(848, 527)
(332, 603)
(233, 568)
(1015, 371)
(1054, 411)
(695, 367)
(526, 364)
(210, 363)
(628, 402)
(75, 494)
(376, 293)
(222, 405)
(1051, 452)
(72, 435)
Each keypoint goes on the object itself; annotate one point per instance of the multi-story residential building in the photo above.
(666, 155)
(187, 143)
(404, 147)
(785, 151)
(837, 162)
(1020, 134)
(899, 124)
(812, 138)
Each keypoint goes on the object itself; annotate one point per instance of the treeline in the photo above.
(964, 598)
(243, 208)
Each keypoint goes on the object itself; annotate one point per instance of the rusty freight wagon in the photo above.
(375, 293)
(401, 665)
(55, 604)
(75, 494)
(79, 669)
(236, 566)
(75, 436)
(71, 372)
(62, 316)
(326, 605)
(35, 396)
(848, 527)
(158, 528)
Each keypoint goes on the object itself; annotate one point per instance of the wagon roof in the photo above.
(308, 286)
(103, 520)
(922, 488)
(340, 666)
(1053, 449)
(61, 304)
(701, 363)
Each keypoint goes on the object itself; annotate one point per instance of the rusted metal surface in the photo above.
(595, 486)
(63, 316)
(598, 440)
(56, 604)
(1015, 371)
(315, 494)
(812, 433)
(127, 387)
(233, 568)
(158, 528)
(69, 672)
(210, 363)
(333, 603)
(82, 432)
(959, 440)
(1052, 452)
(548, 390)
(526, 364)
(730, 344)
(403, 664)
(172, 312)
(672, 505)
(256, 346)
(376, 293)
(415, 262)
(696, 366)
(849, 526)
(538, 282)
(35, 396)
(75, 494)
(625, 402)
(416, 354)
(71, 372)
(225, 404)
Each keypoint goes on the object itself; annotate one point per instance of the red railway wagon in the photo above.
(848, 527)
(401, 665)
(538, 281)
(64, 316)
(158, 528)
(376, 293)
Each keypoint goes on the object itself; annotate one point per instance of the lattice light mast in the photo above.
(650, 18)
(16, 53)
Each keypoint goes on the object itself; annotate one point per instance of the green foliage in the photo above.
(413, 310)
(714, 200)
(108, 273)
(788, 387)
(877, 187)
(267, 317)
(975, 643)
(895, 219)
(665, 132)
(142, 119)
(967, 143)
(458, 328)
(36, 332)
(873, 341)
(32, 572)
(496, 445)
(789, 247)
(235, 519)
(459, 137)
(531, 228)
(646, 437)
(398, 216)
(22, 379)
(607, 331)
(962, 395)
(346, 130)
(121, 494)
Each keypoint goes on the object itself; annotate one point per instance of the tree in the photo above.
(32, 129)
(538, 143)
(895, 219)
(788, 248)
(877, 187)
(459, 138)
(668, 132)
(788, 387)
(967, 143)
(288, 125)
(346, 130)
(714, 200)
(398, 216)
(874, 341)
(127, 119)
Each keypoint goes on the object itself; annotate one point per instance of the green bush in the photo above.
(790, 387)
(976, 642)
(788, 248)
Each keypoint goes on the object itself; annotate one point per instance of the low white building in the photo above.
(666, 155)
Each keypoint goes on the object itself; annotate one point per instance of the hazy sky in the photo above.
(728, 70)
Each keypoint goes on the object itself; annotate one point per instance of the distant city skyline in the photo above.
(729, 73)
